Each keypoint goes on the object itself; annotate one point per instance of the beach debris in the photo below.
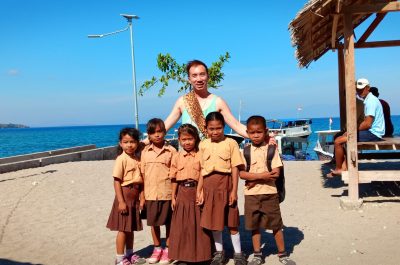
(72, 181)
(320, 235)
(35, 183)
(384, 227)
(355, 251)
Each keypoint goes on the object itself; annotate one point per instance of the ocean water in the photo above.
(30, 140)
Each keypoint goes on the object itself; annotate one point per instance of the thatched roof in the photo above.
(312, 30)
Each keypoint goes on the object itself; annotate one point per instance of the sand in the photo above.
(57, 215)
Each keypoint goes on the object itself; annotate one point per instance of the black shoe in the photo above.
(218, 258)
(239, 259)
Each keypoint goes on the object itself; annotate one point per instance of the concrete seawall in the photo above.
(80, 153)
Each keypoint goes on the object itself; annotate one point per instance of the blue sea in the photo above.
(30, 140)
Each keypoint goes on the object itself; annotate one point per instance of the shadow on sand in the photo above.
(13, 262)
(383, 191)
(293, 237)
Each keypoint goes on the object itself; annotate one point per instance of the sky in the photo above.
(52, 74)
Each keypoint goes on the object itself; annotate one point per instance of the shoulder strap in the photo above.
(193, 107)
(270, 156)
(246, 154)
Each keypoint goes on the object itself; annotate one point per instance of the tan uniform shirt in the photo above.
(155, 169)
(258, 158)
(127, 169)
(185, 165)
(220, 157)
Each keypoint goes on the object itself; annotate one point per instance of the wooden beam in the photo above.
(372, 27)
(374, 175)
(342, 90)
(373, 8)
(374, 44)
(351, 121)
(378, 44)
(334, 30)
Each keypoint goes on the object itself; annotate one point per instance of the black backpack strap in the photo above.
(270, 156)
(247, 157)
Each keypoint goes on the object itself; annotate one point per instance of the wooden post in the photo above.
(349, 69)
(342, 91)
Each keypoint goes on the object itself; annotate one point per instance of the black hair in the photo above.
(374, 91)
(190, 129)
(215, 116)
(132, 132)
(152, 125)
(257, 119)
(192, 63)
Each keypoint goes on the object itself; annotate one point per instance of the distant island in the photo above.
(12, 125)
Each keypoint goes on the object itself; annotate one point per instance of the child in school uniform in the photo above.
(155, 164)
(261, 207)
(189, 242)
(128, 183)
(217, 189)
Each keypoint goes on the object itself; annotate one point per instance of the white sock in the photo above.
(129, 252)
(217, 235)
(236, 243)
(119, 257)
(158, 247)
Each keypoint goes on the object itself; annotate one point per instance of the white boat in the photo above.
(325, 144)
(290, 127)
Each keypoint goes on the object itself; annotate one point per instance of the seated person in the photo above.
(386, 113)
(370, 130)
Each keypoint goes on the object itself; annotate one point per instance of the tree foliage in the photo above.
(177, 72)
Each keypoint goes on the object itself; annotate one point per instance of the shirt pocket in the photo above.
(224, 159)
(206, 155)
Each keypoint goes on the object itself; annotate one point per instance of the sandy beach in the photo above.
(57, 215)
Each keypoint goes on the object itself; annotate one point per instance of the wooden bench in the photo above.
(387, 149)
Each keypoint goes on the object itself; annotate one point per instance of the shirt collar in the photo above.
(151, 147)
(263, 145)
(191, 153)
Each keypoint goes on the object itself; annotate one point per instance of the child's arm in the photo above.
(122, 208)
(174, 188)
(199, 192)
(142, 200)
(251, 176)
(235, 180)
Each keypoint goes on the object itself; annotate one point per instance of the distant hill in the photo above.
(12, 125)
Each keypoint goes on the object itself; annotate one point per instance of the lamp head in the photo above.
(129, 17)
(95, 36)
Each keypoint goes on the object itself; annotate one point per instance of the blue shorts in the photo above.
(367, 136)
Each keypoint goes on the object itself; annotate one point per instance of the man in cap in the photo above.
(370, 130)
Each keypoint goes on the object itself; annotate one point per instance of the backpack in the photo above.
(280, 181)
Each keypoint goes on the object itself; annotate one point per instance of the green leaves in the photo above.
(176, 72)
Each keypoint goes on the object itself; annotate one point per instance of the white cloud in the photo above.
(13, 72)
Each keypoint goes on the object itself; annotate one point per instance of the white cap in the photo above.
(361, 83)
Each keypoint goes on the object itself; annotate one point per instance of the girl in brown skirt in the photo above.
(189, 242)
(217, 189)
(124, 216)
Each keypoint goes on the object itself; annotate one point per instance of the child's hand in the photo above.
(250, 184)
(122, 208)
(173, 203)
(199, 197)
(141, 204)
(232, 198)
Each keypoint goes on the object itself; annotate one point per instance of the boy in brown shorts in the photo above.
(261, 205)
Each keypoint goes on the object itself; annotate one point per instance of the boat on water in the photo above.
(325, 144)
(290, 127)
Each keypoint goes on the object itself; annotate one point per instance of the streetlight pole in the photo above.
(130, 27)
